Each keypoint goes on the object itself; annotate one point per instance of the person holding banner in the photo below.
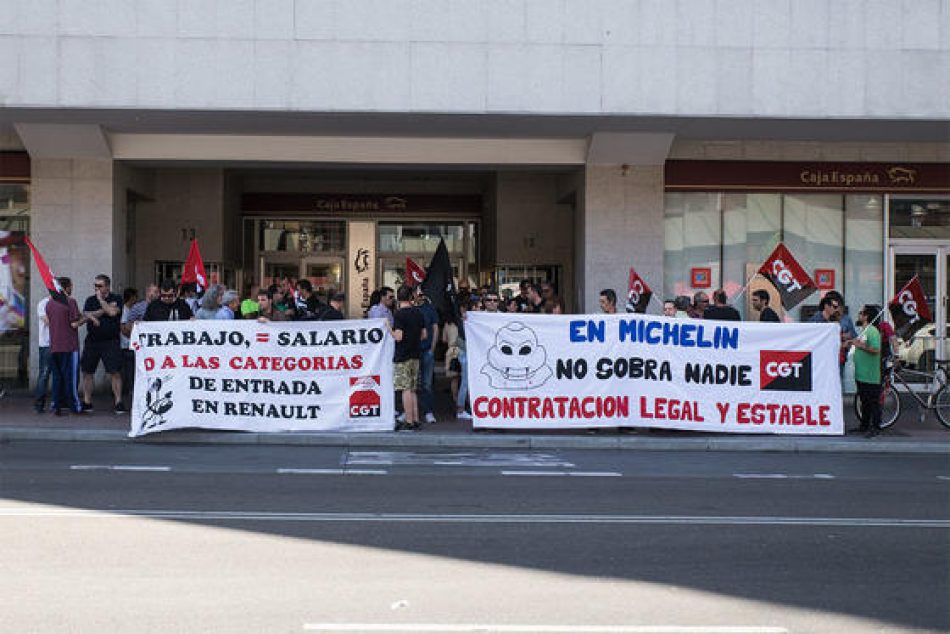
(409, 330)
(867, 370)
(669, 308)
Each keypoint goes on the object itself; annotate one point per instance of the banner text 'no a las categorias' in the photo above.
(246, 375)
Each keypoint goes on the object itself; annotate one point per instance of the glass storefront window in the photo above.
(731, 234)
(863, 253)
(927, 219)
(15, 302)
(303, 236)
(813, 230)
(752, 226)
(421, 237)
(693, 239)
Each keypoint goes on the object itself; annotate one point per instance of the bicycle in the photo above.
(937, 395)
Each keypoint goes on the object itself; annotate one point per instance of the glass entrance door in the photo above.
(931, 264)
(325, 273)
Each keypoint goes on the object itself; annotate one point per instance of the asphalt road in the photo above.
(171, 538)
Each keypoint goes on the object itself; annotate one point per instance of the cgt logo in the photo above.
(785, 371)
(785, 276)
(364, 399)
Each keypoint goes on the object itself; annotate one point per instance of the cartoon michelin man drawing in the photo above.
(517, 360)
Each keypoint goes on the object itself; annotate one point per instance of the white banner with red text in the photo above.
(628, 370)
(252, 376)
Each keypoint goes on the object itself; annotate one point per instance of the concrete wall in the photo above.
(71, 220)
(9, 141)
(783, 58)
(764, 150)
(184, 199)
(531, 227)
(623, 227)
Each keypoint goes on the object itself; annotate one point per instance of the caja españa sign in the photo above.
(584, 371)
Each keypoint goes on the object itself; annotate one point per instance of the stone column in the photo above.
(72, 224)
(622, 228)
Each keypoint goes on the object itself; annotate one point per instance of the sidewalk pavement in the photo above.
(18, 421)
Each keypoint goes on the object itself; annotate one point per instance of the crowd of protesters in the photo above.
(422, 334)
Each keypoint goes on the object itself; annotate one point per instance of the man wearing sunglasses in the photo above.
(168, 306)
(490, 301)
(103, 312)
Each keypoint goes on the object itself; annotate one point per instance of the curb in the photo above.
(492, 441)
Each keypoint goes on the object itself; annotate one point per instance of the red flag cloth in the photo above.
(194, 271)
(415, 274)
(49, 280)
(788, 277)
(909, 309)
(638, 293)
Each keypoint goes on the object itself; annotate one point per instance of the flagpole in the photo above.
(743, 289)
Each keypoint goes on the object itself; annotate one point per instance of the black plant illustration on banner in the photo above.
(156, 403)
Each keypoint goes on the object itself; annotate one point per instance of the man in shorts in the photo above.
(409, 331)
(103, 311)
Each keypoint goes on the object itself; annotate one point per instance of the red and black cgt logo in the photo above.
(364, 398)
(785, 370)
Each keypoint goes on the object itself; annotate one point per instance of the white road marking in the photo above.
(543, 629)
(943, 477)
(458, 458)
(783, 476)
(578, 474)
(289, 471)
(268, 516)
(119, 467)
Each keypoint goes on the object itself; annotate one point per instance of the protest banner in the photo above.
(252, 376)
(584, 371)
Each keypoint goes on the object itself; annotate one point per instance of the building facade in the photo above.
(567, 141)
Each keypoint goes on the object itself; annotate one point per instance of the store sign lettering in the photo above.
(891, 176)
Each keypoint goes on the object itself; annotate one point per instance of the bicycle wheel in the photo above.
(942, 405)
(890, 406)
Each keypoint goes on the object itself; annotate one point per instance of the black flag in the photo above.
(439, 285)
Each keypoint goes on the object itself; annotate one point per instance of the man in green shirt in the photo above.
(867, 370)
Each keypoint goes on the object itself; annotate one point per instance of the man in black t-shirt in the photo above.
(409, 330)
(721, 309)
(167, 307)
(103, 310)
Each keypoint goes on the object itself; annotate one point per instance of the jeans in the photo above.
(42, 378)
(426, 370)
(463, 383)
(65, 367)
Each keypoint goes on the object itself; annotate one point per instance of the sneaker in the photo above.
(401, 418)
(57, 412)
(38, 408)
(430, 418)
(463, 415)
(120, 408)
(86, 407)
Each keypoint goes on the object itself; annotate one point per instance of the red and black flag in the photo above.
(439, 284)
(788, 277)
(194, 271)
(638, 293)
(415, 274)
(909, 309)
(49, 280)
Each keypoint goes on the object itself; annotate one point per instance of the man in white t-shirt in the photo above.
(42, 376)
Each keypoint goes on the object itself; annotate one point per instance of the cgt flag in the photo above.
(49, 280)
(909, 309)
(439, 285)
(415, 274)
(638, 293)
(194, 271)
(788, 277)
